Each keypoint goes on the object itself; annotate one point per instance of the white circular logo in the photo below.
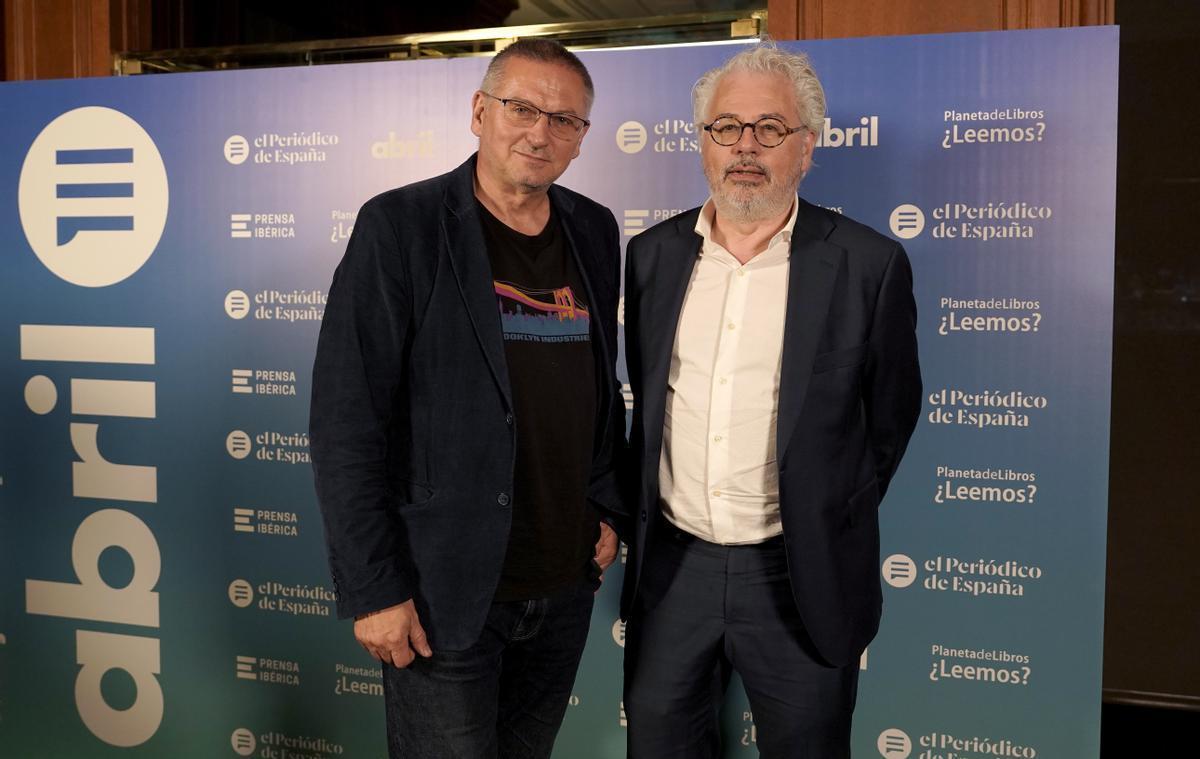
(237, 443)
(237, 149)
(241, 594)
(41, 394)
(899, 571)
(894, 743)
(907, 221)
(93, 196)
(631, 137)
(243, 741)
(618, 633)
(237, 304)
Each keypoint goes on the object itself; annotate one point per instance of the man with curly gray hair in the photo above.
(772, 352)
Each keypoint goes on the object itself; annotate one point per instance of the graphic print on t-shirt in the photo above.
(542, 315)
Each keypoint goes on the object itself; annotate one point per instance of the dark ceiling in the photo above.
(219, 23)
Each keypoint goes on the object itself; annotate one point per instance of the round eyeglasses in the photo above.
(565, 126)
(768, 132)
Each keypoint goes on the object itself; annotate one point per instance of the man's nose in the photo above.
(539, 131)
(746, 142)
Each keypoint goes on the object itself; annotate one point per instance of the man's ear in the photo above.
(579, 142)
(478, 101)
(810, 143)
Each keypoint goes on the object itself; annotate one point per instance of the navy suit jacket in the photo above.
(849, 398)
(411, 427)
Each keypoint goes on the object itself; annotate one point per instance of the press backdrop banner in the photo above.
(168, 243)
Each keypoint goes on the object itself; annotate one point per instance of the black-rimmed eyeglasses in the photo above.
(769, 132)
(565, 126)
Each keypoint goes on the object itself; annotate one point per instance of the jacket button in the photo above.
(502, 499)
(643, 515)
(508, 419)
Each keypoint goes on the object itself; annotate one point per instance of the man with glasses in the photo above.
(772, 352)
(465, 421)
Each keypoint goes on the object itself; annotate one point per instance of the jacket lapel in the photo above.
(578, 231)
(662, 305)
(812, 271)
(473, 271)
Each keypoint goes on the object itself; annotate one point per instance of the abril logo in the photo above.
(93, 196)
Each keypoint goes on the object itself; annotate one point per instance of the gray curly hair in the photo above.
(767, 58)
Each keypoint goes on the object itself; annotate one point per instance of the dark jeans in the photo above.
(704, 611)
(502, 698)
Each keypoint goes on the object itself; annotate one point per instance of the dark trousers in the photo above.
(502, 698)
(704, 611)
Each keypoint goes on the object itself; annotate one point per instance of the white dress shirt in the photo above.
(718, 478)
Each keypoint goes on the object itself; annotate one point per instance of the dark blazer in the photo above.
(849, 398)
(411, 426)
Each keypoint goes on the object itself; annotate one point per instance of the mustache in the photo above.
(745, 164)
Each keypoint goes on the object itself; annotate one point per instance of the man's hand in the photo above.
(606, 547)
(392, 635)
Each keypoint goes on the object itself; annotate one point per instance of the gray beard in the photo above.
(746, 210)
(748, 207)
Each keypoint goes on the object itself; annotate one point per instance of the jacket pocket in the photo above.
(410, 493)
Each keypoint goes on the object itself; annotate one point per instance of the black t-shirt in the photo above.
(551, 369)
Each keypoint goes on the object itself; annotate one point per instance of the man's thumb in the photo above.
(419, 641)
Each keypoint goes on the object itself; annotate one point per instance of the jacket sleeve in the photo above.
(892, 382)
(356, 374)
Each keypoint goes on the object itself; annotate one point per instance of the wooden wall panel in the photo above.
(52, 39)
(130, 25)
(824, 19)
(864, 18)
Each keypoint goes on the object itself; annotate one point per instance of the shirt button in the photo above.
(730, 326)
(643, 515)
(741, 272)
(508, 418)
(716, 494)
(716, 438)
(502, 499)
(724, 381)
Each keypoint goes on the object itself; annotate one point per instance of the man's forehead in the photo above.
(753, 94)
(534, 79)
(525, 72)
